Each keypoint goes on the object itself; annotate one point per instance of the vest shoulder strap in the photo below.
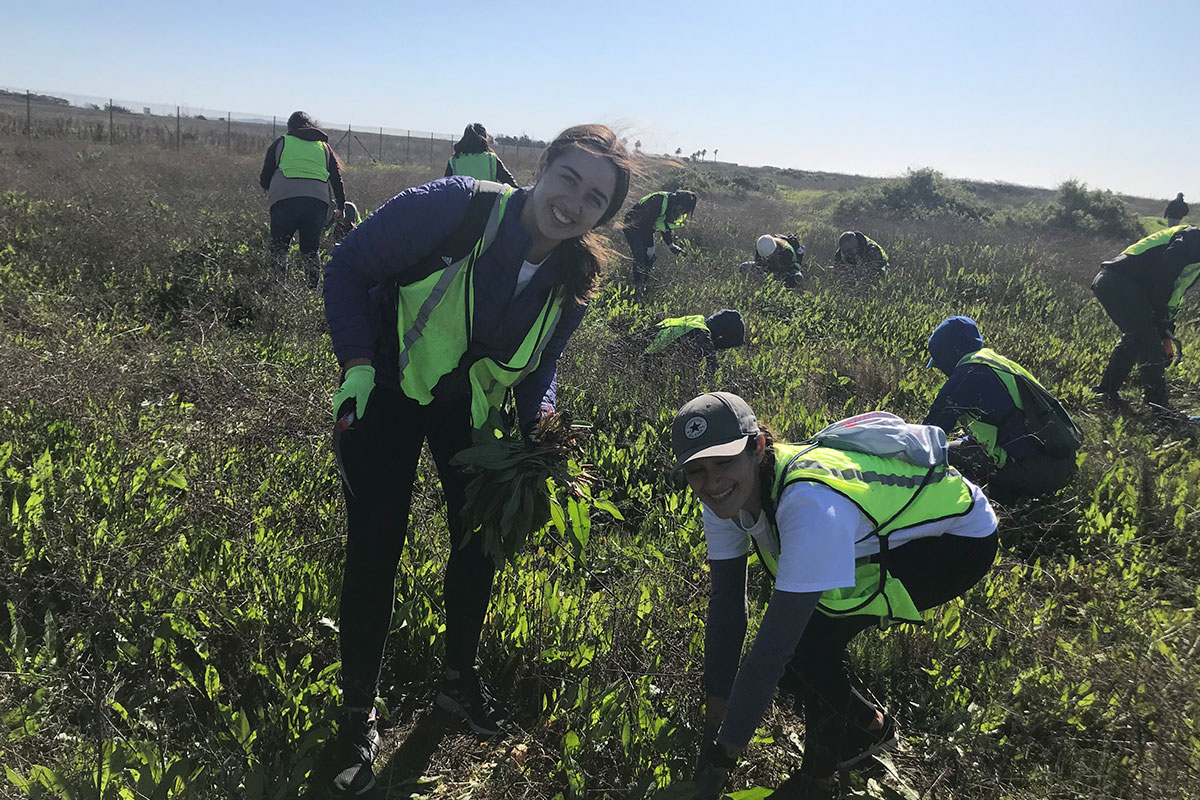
(460, 243)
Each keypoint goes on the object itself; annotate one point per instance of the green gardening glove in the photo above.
(357, 386)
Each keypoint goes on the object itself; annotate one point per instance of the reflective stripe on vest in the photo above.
(1187, 276)
(1006, 370)
(434, 321)
(893, 494)
(303, 159)
(674, 328)
(481, 166)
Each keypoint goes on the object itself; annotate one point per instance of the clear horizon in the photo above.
(1031, 93)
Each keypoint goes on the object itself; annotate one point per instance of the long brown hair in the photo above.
(584, 254)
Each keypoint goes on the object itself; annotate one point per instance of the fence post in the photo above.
(349, 140)
(228, 130)
(110, 120)
(381, 144)
(431, 148)
(272, 127)
(407, 140)
(28, 113)
(178, 131)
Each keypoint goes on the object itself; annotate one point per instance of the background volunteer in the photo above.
(301, 176)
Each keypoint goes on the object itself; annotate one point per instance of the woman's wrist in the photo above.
(355, 362)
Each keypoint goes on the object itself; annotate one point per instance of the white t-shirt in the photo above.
(822, 533)
(528, 270)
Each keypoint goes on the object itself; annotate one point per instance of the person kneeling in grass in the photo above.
(852, 540)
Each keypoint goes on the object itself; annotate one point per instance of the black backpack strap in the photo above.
(464, 238)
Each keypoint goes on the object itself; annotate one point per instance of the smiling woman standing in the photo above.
(448, 296)
(852, 541)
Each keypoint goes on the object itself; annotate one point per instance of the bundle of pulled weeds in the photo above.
(515, 480)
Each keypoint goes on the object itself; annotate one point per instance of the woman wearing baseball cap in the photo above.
(818, 516)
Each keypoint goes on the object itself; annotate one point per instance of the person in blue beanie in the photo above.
(992, 397)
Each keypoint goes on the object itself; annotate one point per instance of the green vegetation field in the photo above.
(171, 520)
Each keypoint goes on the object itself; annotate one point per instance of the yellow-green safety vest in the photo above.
(661, 223)
(1006, 370)
(670, 330)
(1187, 276)
(481, 166)
(433, 336)
(894, 495)
(303, 159)
(882, 252)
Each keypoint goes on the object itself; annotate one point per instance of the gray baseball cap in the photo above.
(714, 424)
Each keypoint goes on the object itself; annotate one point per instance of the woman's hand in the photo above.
(357, 386)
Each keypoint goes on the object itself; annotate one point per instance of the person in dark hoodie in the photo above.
(684, 341)
(981, 393)
(439, 304)
(301, 176)
(657, 212)
(1176, 210)
(861, 252)
(474, 156)
(1142, 291)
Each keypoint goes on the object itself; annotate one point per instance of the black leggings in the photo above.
(380, 454)
(934, 570)
(1141, 341)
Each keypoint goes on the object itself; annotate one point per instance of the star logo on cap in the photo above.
(695, 427)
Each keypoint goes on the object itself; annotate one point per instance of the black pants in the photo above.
(934, 570)
(1140, 342)
(380, 454)
(640, 241)
(1029, 477)
(305, 215)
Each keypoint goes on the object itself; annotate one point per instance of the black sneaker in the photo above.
(1109, 400)
(468, 697)
(862, 743)
(348, 758)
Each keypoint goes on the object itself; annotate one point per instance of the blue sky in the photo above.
(1027, 92)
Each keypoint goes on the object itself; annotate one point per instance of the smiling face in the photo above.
(727, 484)
(571, 195)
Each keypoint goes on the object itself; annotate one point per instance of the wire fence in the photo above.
(39, 114)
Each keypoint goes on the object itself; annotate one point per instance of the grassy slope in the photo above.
(172, 520)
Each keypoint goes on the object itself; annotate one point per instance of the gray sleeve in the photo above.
(782, 626)
(726, 627)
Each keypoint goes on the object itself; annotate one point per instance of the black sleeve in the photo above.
(725, 630)
(502, 173)
(668, 237)
(778, 635)
(335, 176)
(1182, 251)
(270, 163)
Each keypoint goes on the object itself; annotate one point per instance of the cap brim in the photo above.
(717, 450)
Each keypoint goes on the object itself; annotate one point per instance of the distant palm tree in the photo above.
(715, 154)
(678, 151)
(703, 153)
(638, 145)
